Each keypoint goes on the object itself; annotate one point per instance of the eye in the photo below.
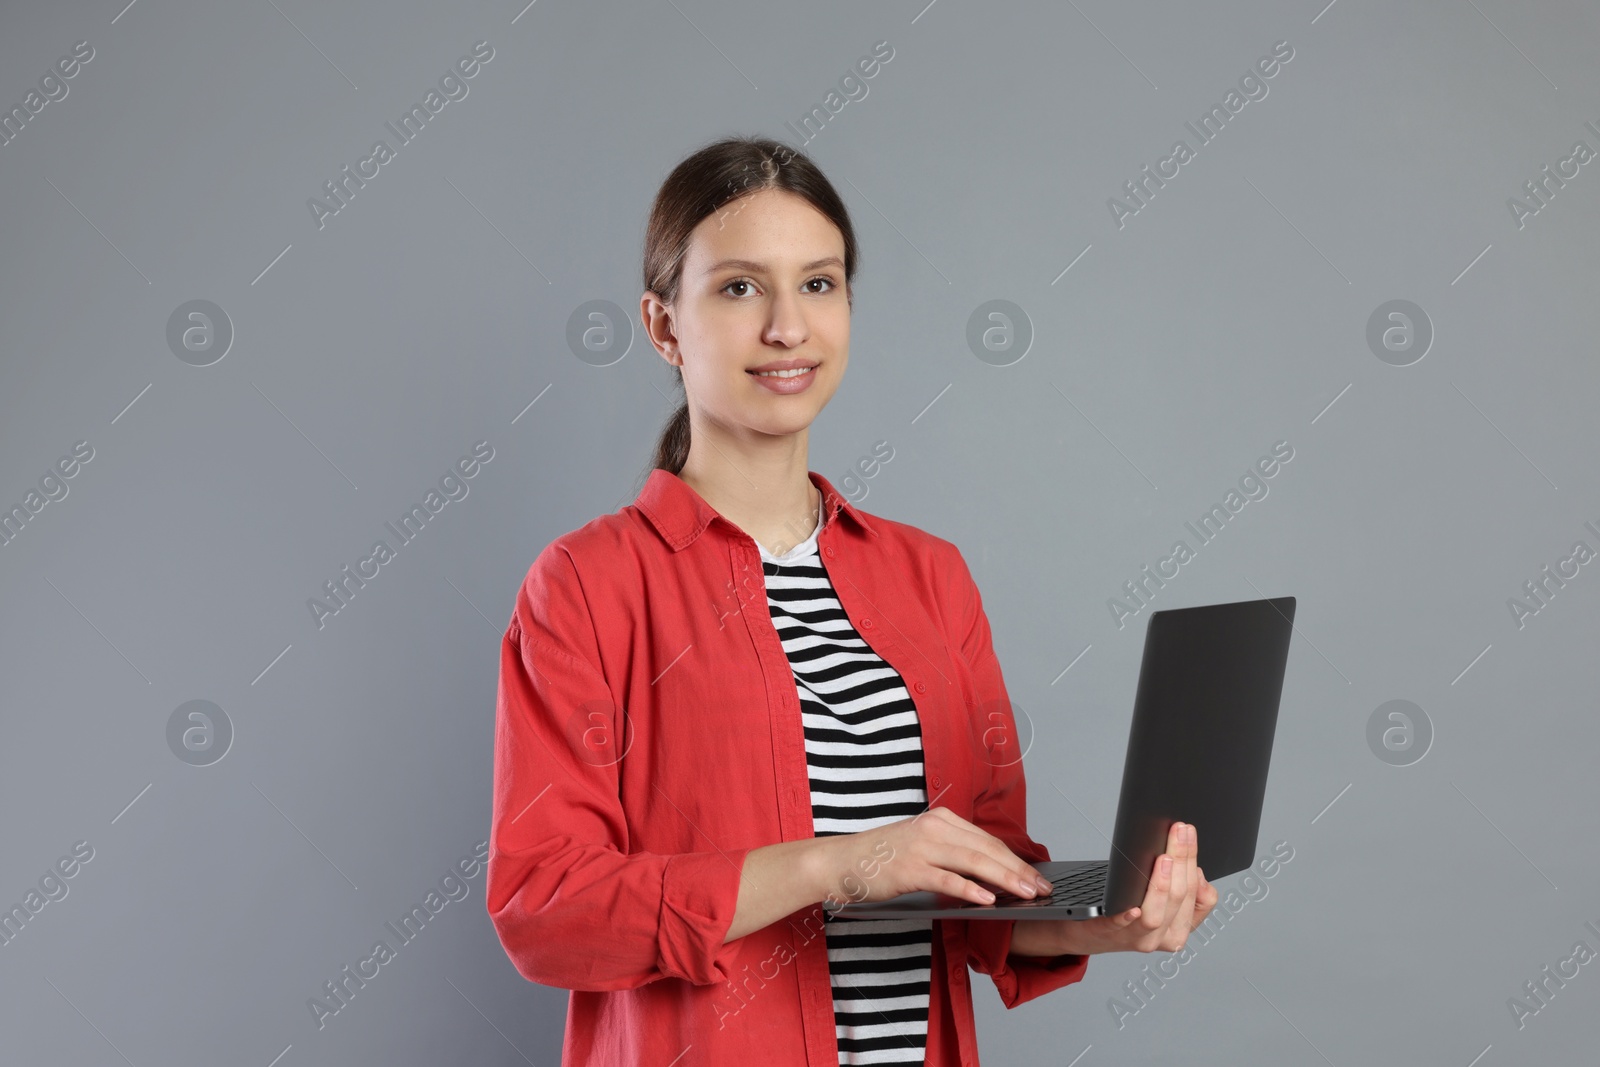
(827, 281)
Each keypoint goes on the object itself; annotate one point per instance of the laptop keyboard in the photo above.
(1085, 885)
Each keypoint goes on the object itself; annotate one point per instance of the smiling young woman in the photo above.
(741, 698)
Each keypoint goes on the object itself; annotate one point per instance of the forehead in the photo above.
(768, 229)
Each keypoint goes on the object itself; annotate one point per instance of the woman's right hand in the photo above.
(936, 851)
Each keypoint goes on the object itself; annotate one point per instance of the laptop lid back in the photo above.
(1200, 741)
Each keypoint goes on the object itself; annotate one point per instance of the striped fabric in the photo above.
(864, 752)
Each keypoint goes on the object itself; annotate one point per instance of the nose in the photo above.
(788, 323)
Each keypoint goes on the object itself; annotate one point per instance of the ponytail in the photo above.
(672, 449)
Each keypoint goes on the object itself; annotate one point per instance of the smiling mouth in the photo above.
(796, 373)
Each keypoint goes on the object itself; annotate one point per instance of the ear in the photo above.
(656, 317)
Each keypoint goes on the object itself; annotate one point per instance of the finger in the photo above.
(1012, 873)
(1176, 848)
(944, 872)
(1000, 849)
(1155, 905)
(980, 863)
(1193, 887)
(1183, 919)
(1177, 841)
(1181, 893)
(1178, 886)
(1177, 922)
(940, 879)
(1205, 898)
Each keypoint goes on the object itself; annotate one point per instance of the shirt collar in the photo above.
(680, 514)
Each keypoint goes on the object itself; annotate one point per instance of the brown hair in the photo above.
(705, 181)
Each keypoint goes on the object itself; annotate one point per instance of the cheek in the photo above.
(719, 348)
(723, 392)
(830, 342)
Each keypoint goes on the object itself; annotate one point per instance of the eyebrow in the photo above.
(745, 264)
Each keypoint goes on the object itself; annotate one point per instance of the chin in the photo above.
(789, 422)
(787, 428)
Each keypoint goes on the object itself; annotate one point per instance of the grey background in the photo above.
(1228, 314)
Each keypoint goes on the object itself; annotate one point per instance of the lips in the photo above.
(782, 364)
(797, 382)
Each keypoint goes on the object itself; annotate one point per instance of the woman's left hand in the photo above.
(1177, 900)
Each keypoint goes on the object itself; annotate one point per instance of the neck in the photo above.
(767, 494)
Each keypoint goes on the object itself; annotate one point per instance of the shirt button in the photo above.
(936, 781)
(828, 552)
(866, 624)
(922, 687)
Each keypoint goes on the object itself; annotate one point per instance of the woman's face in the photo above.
(763, 282)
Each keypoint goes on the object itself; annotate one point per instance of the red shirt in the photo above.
(648, 736)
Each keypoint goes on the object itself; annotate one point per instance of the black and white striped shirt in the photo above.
(864, 754)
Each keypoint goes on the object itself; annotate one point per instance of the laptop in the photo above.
(1198, 749)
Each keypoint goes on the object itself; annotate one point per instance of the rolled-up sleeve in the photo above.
(572, 906)
(1000, 805)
